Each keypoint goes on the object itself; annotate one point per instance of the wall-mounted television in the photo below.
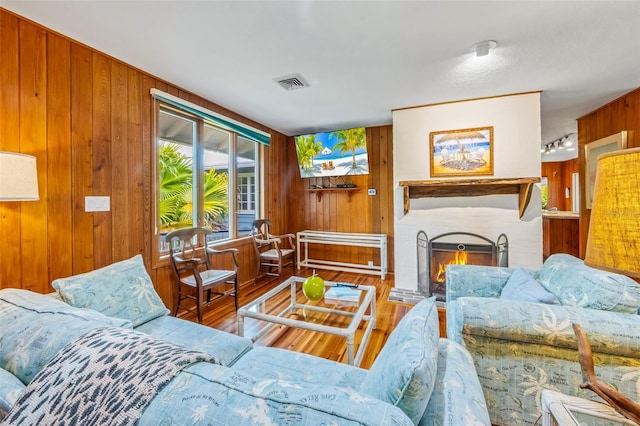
(337, 153)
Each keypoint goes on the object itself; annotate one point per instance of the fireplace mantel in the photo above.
(469, 188)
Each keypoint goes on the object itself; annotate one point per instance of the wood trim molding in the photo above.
(469, 188)
(466, 100)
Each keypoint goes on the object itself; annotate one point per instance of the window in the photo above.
(247, 189)
(246, 198)
(207, 175)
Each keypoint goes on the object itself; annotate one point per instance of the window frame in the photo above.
(160, 257)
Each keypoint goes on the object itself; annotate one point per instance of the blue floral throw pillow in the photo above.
(523, 287)
(121, 290)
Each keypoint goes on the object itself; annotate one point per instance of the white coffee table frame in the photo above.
(366, 312)
(557, 408)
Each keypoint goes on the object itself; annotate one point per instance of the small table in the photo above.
(325, 316)
(559, 409)
(355, 239)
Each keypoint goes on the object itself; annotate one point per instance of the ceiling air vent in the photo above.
(291, 82)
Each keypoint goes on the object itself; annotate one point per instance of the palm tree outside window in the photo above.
(198, 163)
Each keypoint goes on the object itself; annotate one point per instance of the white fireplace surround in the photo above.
(516, 122)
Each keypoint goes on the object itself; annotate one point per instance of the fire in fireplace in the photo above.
(459, 248)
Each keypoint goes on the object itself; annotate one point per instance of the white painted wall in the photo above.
(516, 127)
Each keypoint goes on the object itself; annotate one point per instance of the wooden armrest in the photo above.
(283, 236)
(291, 237)
(194, 261)
(222, 251)
(267, 240)
(231, 251)
(193, 264)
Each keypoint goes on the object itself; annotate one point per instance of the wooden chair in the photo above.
(272, 251)
(191, 260)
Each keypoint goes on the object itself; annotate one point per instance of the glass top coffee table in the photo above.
(286, 305)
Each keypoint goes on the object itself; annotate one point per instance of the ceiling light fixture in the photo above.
(483, 48)
(561, 143)
(567, 141)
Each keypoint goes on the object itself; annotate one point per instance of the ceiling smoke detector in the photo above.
(291, 82)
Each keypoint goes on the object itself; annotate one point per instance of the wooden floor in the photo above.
(222, 316)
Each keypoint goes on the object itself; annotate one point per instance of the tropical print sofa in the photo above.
(151, 369)
(521, 347)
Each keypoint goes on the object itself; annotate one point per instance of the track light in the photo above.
(561, 143)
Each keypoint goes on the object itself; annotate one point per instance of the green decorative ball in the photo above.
(313, 287)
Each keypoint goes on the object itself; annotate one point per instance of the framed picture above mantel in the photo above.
(461, 152)
(591, 152)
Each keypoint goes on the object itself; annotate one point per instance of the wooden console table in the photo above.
(377, 241)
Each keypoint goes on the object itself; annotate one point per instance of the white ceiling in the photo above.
(366, 58)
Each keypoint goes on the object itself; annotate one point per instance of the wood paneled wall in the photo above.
(618, 115)
(349, 211)
(560, 235)
(558, 174)
(88, 119)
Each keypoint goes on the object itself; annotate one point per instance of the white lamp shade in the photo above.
(18, 177)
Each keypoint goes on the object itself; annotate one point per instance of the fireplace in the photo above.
(461, 248)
